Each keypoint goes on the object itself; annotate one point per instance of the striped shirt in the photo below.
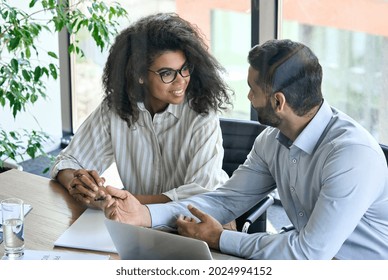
(178, 152)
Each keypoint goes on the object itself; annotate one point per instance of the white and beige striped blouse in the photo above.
(178, 153)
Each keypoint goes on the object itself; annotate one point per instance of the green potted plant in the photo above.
(23, 74)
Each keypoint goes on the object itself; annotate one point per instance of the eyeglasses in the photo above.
(169, 75)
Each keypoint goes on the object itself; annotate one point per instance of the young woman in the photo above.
(158, 120)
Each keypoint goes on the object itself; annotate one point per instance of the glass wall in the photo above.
(225, 25)
(351, 40)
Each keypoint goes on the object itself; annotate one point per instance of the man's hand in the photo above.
(122, 206)
(208, 229)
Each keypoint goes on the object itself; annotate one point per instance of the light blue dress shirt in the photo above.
(332, 181)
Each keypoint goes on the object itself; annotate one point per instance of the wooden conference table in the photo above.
(53, 209)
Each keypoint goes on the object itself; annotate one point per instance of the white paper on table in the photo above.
(58, 255)
(88, 232)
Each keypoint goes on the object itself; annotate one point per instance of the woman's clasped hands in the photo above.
(88, 187)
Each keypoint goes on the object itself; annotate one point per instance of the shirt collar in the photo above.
(172, 109)
(308, 138)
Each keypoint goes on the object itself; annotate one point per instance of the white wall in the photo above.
(45, 114)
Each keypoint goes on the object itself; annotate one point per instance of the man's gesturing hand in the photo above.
(208, 229)
(122, 206)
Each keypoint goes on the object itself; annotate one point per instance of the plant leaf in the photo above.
(52, 54)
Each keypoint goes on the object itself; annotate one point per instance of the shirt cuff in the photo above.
(171, 194)
(186, 191)
(161, 216)
(64, 164)
(230, 242)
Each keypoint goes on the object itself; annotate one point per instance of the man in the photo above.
(330, 173)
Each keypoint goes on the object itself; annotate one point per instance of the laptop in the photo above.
(140, 243)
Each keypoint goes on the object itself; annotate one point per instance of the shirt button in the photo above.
(294, 160)
(292, 189)
(300, 214)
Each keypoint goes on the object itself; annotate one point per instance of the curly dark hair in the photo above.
(289, 67)
(135, 49)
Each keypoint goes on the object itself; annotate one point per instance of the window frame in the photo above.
(65, 87)
(264, 26)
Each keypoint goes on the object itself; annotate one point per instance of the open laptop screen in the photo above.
(139, 243)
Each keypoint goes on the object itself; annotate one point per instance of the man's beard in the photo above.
(266, 115)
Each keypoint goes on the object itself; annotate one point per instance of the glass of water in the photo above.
(12, 211)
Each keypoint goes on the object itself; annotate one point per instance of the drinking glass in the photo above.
(13, 227)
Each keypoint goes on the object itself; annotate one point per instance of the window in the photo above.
(350, 39)
(225, 25)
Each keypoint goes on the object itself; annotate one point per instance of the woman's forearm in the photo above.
(65, 176)
(151, 199)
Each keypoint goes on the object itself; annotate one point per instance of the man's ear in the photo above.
(280, 100)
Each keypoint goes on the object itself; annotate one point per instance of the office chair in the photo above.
(385, 150)
(238, 138)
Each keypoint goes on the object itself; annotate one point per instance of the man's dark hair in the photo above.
(291, 68)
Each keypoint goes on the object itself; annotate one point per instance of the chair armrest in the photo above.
(267, 202)
(286, 228)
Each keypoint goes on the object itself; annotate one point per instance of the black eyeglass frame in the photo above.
(160, 73)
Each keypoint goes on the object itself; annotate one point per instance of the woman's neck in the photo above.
(155, 107)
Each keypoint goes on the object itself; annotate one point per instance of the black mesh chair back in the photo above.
(238, 138)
